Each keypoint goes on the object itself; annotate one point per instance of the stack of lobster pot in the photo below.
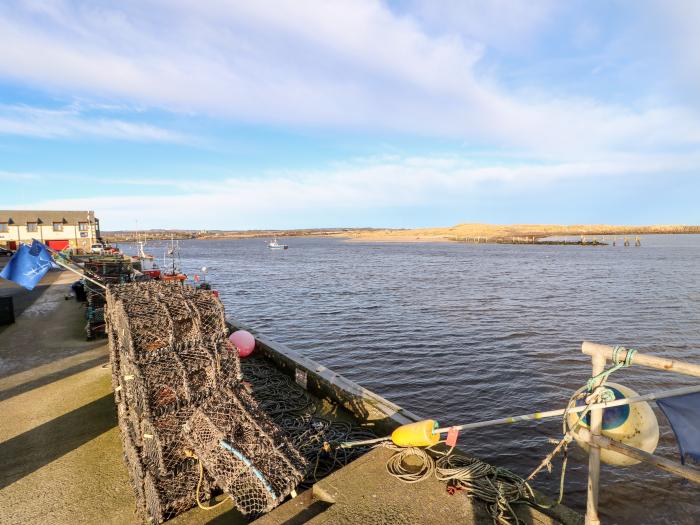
(109, 270)
(172, 368)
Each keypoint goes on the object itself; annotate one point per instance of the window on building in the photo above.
(4, 227)
(83, 226)
(32, 227)
(58, 226)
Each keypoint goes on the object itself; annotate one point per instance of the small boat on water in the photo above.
(173, 272)
(274, 245)
(146, 264)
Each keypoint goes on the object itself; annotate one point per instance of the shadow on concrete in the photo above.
(28, 452)
(315, 508)
(22, 298)
(50, 378)
(227, 518)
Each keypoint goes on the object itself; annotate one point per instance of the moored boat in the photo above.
(145, 263)
(171, 261)
(274, 245)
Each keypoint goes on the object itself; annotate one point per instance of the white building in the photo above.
(58, 229)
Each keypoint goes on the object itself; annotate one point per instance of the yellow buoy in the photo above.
(419, 434)
(634, 425)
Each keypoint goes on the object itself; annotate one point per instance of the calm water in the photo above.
(463, 333)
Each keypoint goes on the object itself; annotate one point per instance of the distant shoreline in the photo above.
(474, 233)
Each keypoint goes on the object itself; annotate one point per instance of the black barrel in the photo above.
(7, 311)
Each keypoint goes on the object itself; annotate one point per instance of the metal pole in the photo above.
(640, 455)
(592, 518)
(575, 409)
(535, 416)
(63, 265)
(661, 363)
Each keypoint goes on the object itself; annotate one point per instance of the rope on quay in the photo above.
(497, 487)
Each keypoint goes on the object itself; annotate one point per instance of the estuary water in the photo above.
(464, 332)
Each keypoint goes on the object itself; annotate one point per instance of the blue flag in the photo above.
(28, 265)
(683, 412)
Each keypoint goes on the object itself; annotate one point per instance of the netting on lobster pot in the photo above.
(129, 422)
(227, 363)
(198, 365)
(142, 324)
(114, 350)
(244, 452)
(155, 387)
(184, 317)
(164, 448)
(168, 496)
(212, 317)
(132, 458)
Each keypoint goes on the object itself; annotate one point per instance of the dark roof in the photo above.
(45, 216)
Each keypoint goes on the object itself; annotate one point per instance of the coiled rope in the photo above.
(497, 487)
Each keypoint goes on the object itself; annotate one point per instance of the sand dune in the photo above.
(495, 232)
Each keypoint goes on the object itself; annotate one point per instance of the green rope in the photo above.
(584, 392)
(617, 365)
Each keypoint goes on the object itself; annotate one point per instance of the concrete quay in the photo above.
(61, 454)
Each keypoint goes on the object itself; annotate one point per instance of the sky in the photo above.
(223, 114)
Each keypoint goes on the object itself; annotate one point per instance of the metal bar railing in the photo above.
(600, 354)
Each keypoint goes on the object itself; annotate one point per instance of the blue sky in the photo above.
(307, 113)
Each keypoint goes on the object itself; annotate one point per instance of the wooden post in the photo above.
(594, 453)
(652, 361)
(640, 455)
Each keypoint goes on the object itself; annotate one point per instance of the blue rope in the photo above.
(250, 465)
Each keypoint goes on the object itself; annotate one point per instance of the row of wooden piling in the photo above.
(536, 240)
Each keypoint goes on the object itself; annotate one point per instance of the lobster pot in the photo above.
(169, 496)
(114, 351)
(172, 379)
(199, 368)
(227, 363)
(134, 465)
(142, 325)
(212, 318)
(184, 316)
(246, 455)
(164, 443)
(154, 388)
(153, 315)
(130, 423)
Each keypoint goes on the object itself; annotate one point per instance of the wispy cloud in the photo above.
(314, 63)
(285, 198)
(13, 176)
(71, 122)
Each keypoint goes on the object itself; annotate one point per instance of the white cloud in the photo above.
(71, 122)
(677, 22)
(508, 25)
(316, 63)
(11, 176)
(291, 198)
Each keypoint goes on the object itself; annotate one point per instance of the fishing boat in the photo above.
(274, 245)
(172, 263)
(145, 263)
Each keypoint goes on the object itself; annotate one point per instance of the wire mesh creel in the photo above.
(172, 366)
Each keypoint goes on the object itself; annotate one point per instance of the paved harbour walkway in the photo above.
(60, 452)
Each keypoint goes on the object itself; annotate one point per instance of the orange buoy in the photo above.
(418, 434)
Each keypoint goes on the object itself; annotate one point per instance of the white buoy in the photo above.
(634, 425)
